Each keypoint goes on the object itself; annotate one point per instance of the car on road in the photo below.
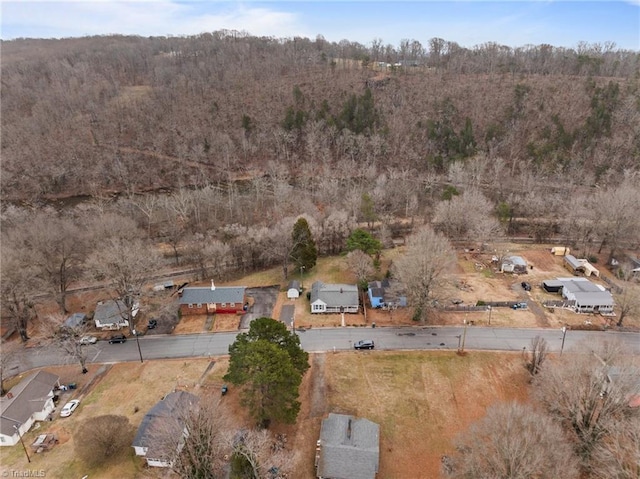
(68, 408)
(364, 344)
(526, 286)
(519, 306)
(86, 340)
(152, 324)
(117, 338)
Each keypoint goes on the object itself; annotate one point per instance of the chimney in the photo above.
(213, 286)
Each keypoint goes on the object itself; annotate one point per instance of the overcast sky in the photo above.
(469, 23)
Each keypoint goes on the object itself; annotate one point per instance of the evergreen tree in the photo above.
(304, 252)
(269, 363)
(364, 241)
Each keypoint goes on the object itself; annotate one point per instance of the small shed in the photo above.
(293, 290)
(514, 264)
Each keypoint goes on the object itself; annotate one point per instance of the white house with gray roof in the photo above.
(110, 315)
(29, 401)
(161, 434)
(589, 297)
(349, 448)
(334, 298)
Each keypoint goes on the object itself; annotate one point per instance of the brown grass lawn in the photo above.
(420, 399)
(127, 389)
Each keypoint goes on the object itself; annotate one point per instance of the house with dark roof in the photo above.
(348, 448)
(110, 315)
(29, 401)
(293, 290)
(589, 297)
(161, 435)
(385, 293)
(211, 300)
(334, 298)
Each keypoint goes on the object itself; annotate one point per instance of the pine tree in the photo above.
(304, 252)
(269, 363)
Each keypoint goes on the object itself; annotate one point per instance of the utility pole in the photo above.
(22, 441)
(464, 336)
(564, 333)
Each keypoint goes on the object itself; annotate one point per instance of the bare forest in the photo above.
(213, 145)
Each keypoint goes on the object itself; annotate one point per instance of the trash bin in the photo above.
(373, 325)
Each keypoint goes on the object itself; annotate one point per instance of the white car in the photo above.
(85, 340)
(68, 408)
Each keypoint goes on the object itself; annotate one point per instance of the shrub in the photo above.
(101, 438)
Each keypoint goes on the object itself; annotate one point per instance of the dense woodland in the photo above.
(215, 144)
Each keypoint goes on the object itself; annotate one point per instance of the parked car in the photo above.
(86, 340)
(519, 306)
(117, 338)
(364, 344)
(68, 408)
(152, 324)
(526, 286)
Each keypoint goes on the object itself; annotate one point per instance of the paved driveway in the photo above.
(264, 302)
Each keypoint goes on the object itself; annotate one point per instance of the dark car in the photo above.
(526, 286)
(117, 338)
(152, 324)
(364, 344)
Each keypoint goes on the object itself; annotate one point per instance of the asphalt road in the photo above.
(327, 339)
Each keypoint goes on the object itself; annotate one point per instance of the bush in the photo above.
(481, 303)
(593, 259)
(101, 438)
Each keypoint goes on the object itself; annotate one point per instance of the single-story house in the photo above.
(161, 435)
(110, 315)
(577, 266)
(514, 264)
(348, 448)
(293, 290)
(334, 298)
(29, 401)
(384, 293)
(211, 300)
(589, 297)
(74, 321)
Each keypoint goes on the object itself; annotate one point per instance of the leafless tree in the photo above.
(263, 453)
(126, 266)
(423, 269)
(538, 355)
(18, 289)
(513, 441)
(58, 247)
(588, 391)
(618, 456)
(101, 438)
(66, 339)
(10, 351)
(627, 298)
(361, 264)
(469, 215)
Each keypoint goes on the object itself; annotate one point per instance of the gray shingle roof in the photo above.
(572, 261)
(161, 428)
(75, 320)
(350, 448)
(204, 295)
(587, 293)
(28, 397)
(108, 312)
(335, 295)
(294, 284)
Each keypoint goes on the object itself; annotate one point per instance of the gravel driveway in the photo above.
(264, 302)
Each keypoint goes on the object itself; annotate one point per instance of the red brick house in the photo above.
(210, 300)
